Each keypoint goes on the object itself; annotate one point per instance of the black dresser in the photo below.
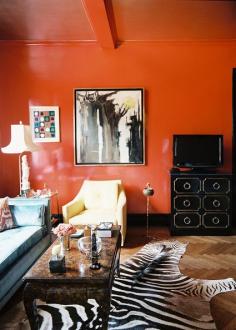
(200, 203)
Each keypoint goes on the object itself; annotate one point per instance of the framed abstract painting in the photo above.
(109, 126)
(44, 121)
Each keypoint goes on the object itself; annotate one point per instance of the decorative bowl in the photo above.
(85, 245)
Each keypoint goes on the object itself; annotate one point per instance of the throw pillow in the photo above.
(6, 221)
(28, 215)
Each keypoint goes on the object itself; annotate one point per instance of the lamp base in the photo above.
(24, 193)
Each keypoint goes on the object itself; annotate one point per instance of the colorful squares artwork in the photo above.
(44, 122)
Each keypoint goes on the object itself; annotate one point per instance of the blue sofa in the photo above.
(21, 246)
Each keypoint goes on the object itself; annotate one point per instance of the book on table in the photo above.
(104, 229)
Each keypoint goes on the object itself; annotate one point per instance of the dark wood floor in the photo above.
(208, 257)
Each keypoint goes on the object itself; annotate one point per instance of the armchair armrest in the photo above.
(121, 214)
(72, 208)
(121, 199)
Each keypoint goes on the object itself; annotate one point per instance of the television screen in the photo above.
(194, 151)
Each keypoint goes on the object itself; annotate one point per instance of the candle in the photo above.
(56, 250)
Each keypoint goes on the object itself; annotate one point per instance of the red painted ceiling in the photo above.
(111, 22)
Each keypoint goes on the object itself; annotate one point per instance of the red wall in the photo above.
(188, 89)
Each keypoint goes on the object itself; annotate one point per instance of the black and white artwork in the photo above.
(109, 126)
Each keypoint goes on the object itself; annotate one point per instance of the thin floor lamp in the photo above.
(148, 191)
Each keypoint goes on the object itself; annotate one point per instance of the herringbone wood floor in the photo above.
(206, 257)
(209, 257)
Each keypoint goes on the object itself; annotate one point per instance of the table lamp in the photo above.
(21, 142)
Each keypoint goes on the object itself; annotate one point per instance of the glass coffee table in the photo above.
(78, 284)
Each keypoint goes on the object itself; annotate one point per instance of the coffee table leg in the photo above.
(104, 311)
(30, 306)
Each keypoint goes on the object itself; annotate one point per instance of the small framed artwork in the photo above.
(109, 126)
(44, 121)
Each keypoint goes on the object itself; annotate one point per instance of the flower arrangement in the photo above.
(64, 229)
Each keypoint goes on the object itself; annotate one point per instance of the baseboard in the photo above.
(140, 219)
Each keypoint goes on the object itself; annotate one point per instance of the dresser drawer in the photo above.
(187, 185)
(187, 220)
(216, 185)
(216, 203)
(201, 202)
(183, 203)
(215, 220)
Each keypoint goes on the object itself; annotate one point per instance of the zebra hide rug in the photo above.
(150, 293)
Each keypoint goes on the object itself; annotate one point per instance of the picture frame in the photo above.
(44, 122)
(109, 126)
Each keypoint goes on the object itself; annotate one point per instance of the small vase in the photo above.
(62, 244)
(65, 244)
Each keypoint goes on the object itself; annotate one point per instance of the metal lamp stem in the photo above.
(148, 191)
(147, 234)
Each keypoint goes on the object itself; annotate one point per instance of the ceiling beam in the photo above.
(98, 16)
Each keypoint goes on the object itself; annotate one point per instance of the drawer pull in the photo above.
(215, 220)
(186, 203)
(187, 220)
(187, 186)
(216, 203)
(216, 185)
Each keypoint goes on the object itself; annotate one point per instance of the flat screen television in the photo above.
(198, 151)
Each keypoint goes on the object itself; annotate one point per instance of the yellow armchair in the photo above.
(98, 201)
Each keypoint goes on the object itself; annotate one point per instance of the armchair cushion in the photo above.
(94, 217)
(101, 195)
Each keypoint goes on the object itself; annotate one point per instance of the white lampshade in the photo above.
(21, 140)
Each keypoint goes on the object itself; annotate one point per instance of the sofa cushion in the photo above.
(94, 216)
(15, 242)
(28, 215)
(6, 221)
(100, 194)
